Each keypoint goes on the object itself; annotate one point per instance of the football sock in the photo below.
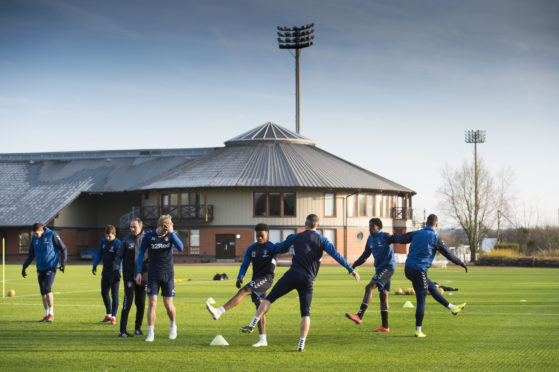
(263, 338)
(418, 329)
(362, 310)
(450, 306)
(47, 311)
(51, 311)
(173, 324)
(220, 310)
(301, 343)
(420, 311)
(150, 330)
(254, 322)
(384, 316)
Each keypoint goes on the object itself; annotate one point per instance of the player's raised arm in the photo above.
(400, 238)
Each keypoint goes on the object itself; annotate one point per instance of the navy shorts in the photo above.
(293, 280)
(46, 279)
(418, 278)
(165, 281)
(259, 286)
(382, 278)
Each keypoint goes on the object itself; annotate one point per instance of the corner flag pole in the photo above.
(3, 268)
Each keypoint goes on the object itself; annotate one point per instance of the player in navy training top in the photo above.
(425, 244)
(161, 274)
(308, 248)
(262, 255)
(110, 276)
(379, 244)
(48, 250)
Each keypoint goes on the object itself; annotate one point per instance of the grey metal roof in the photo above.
(36, 189)
(285, 162)
(270, 132)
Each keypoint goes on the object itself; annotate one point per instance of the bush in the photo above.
(513, 246)
(523, 261)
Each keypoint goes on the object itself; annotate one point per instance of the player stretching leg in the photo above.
(308, 249)
(262, 255)
(379, 244)
(424, 245)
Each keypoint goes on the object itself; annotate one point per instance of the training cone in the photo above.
(219, 341)
(210, 301)
(408, 304)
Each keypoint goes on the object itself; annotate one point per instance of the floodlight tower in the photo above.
(297, 37)
(475, 137)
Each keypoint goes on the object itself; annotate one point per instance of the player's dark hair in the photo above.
(261, 227)
(432, 219)
(376, 222)
(110, 229)
(37, 226)
(311, 221)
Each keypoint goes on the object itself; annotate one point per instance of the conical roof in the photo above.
(269, 132)
(272, 156)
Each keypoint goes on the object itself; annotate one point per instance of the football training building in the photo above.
(215, 195)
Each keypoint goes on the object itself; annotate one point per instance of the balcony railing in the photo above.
(182, 213)
(402, 213)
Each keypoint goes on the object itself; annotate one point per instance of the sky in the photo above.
(390, 86)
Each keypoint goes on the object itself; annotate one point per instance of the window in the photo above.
(378, 202)
(24, 242)
(82, 240)
(260, 204)
(274, 236)
(274, 204)
(371, 205)
(289, 204)
(194, 246)
(351, 201)
(329, 205)
(362, 200)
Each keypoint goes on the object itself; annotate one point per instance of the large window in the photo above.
(329, 205)
(194, 246)
(24, 242)
(191, 241)
(274, 204)
(362, 200)
(351, 206)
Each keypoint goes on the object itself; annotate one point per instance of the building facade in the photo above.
(215, 195)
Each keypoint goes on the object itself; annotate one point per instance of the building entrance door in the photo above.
(225, 247)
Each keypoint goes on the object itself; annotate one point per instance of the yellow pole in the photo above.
(3, 268)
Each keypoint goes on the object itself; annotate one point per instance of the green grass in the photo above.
(511, 323)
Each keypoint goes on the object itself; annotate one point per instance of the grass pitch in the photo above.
(511, 323)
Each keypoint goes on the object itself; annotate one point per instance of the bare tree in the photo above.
(458, 201)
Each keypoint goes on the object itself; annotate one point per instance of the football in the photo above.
(441, 290)
(11, 293)
(398, 291)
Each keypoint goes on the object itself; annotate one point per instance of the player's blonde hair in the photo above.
(164, 220)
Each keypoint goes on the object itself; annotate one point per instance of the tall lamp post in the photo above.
(475, 137)
(296, 38)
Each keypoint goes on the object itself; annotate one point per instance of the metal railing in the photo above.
(185, 213)
(401, 213)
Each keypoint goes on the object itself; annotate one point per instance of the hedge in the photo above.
(517, 261)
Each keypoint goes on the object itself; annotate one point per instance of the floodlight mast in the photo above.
(297, 37)
(475, 137)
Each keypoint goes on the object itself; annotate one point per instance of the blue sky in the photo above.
(389, 85)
